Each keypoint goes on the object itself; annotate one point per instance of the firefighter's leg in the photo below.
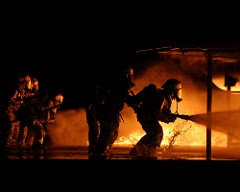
(93, 130)
(114, 129)
(30, 136)
(4, 134)
(16, 132)
(155, 136)
(140, 149)
(147, 146)
(11, 134)
(108, 139)
(108, 134)
(101, 145)
(39, 134)
(13, 124)
(47, 138)
(23, 130)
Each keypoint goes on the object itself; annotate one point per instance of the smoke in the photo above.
(189, 70)
(129, 123)
(70, 128)
(192, 72)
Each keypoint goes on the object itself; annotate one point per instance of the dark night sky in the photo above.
(68, 52)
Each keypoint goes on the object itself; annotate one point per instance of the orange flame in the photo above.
(190, 134)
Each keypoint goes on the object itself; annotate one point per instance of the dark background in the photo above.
(69, 50)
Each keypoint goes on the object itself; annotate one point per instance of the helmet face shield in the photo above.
(25, 82)
(174, 88)
(178, 93)
(129, 77)
(35, 85)
(131, 73)
(59, 99)
(29, 85)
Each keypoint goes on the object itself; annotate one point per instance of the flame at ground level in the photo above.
(71, 130)
(179, 133)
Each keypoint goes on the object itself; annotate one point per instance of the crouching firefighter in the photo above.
(43, 113)
(152, 105)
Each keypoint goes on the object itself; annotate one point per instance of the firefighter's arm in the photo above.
(16, 98)
(50, 121)
(184, 117)
(167, 117)
(165, 114)
(130, 100)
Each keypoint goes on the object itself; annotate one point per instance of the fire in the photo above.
(181, 133)
(132, 138)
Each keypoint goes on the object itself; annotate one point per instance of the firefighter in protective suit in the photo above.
(15, 106)
(44, 115)
(152, 105)
(103, 113)
(25, 113)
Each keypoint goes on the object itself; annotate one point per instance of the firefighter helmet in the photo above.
(25, 82)
(25, 78)
(35, 84)
(173, 87)
(59, 98)
(130, 76)
(129, 73)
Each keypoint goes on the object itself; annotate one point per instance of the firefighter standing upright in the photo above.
(103, 114)
(14, 109)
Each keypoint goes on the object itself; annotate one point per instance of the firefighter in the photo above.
(26, 113)
(152, 105)
(31, 104)
(44, 116)
(103, 114)
(14, 109)
(35, 86)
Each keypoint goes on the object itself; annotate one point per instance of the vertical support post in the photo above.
(229, 138)
(209, 107)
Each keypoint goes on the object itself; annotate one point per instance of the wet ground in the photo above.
(122, 153)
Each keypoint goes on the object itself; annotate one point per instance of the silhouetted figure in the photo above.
(103, 112)
(13, 111)
(152, 105)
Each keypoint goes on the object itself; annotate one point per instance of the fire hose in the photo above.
(185, 117)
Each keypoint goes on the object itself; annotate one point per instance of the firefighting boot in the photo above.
(9, 140)
(139, 151)
(39, 151)
(133, 151)
(21, 145)
(100, 153)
